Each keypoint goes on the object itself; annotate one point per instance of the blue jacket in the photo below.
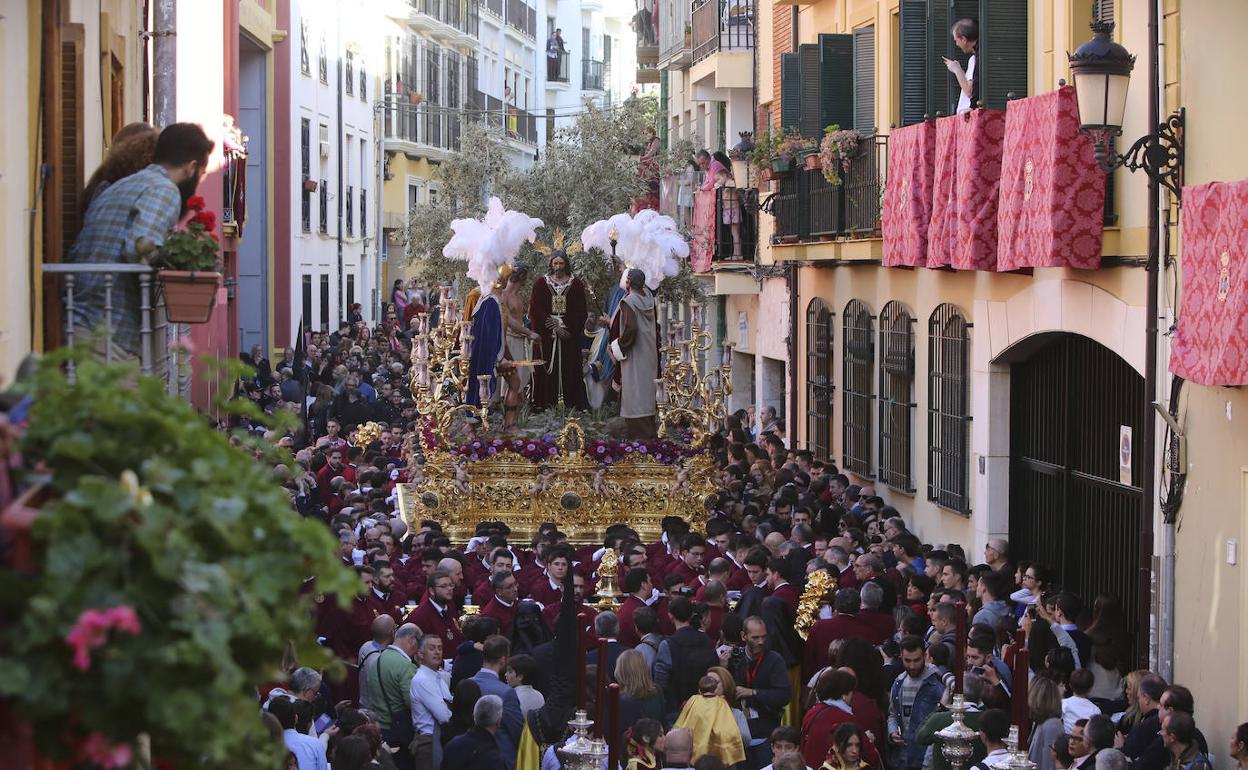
(926, 700)
(508, 735)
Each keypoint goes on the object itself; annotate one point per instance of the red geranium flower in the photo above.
(206, 218)
(196, 203)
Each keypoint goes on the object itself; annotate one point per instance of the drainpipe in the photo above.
(164, 62)
(1165, 650)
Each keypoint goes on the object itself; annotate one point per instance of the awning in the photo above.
(908, 195)
(1211, 341)
(1052, 203)
(963, 231)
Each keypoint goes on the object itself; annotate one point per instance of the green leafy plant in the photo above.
(194, 247)
(170, 570)
(836, 150)
(792, 145)
(764, 150)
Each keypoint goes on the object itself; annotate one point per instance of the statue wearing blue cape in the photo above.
(487, 346)
(601, 371)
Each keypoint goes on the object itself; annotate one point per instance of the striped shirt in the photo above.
(144, 205)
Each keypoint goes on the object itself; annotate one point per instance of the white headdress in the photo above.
(649, 242)
(489, 243)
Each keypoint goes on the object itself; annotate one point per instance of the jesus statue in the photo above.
(557, 312)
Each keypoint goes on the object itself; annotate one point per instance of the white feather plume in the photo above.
(489, 243)
(649, 242)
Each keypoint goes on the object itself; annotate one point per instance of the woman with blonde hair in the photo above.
(1132, 716)
(132, 150)
(639, 698)
(1044, 701)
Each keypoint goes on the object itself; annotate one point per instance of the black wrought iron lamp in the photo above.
(1102, 70)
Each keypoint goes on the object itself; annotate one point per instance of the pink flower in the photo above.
(91, 631)
(99, 751)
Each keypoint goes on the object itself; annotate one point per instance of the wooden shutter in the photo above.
(913, 61)
(938, 42)
(790, 90)
(1103, 10)
(836, 81)
(69, 150)
(864, 79)
(1003, 50)
(811, 90)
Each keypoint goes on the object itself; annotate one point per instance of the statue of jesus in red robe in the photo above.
(557, 312)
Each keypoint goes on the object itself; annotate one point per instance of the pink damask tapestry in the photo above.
(1051, 212)
(908, 195)
(702, 234)
(963, 232)
(1211, 341)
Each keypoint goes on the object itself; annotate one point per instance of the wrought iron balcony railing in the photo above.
(722, 25)
(806, 206)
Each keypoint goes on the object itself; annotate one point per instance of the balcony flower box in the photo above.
(781, 165)
(189, 267)
(189, 295)
(811, 162)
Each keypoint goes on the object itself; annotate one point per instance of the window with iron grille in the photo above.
(304, 66)
(348, 78)
(858, 383)
(324, 190)
(896, 412)
(349, 213)
(322, 62)
(819, 379)
(363, 213)
(305, 159)
(363, 84)
(948, 409)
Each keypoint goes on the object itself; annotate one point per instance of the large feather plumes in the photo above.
(649, 242)
(489, 243)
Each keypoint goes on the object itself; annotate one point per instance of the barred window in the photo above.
(859, 387)
(304, 66)
(948, 409)
(305, 165)
(896, 410)
(819, 378)
(348, 78)
(322, 62)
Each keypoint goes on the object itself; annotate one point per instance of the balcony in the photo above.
(806, 207)
(722, 25)
(522, 18)
(428, 130)
(495, 7)
(675, 33)
(591, 75)
(448, 21)
(521, 125)
(557, 69)
(127, 287)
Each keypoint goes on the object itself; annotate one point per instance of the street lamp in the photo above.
(1101, 70)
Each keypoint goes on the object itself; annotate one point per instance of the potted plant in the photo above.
(189, 267)
(309, 185)
(836, 150)
(792, 147)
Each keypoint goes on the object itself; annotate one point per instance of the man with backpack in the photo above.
(683, 657)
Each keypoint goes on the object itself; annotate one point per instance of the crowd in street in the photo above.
(464, 655)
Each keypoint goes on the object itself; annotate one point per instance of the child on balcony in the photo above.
(730, 206)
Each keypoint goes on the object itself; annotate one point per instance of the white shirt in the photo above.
(964, 101)
(430, 696)
(1075, 708)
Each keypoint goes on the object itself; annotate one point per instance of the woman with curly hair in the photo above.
(131, 151)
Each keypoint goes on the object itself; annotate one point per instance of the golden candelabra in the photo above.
(440, 371)
(688, 398)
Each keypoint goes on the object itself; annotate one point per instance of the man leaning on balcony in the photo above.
(966, 37)
(554, 50)
(142, 207)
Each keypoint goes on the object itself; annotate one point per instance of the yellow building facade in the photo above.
(875, 367)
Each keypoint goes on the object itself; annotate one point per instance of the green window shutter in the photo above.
(938, 42)
(1103, 10)
(864, 79)
(663, 109)
(1003, 50)
(836, 81)
(790, 91)
(913, 61)
(811, 91)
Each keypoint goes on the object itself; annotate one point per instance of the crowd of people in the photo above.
(465, 655)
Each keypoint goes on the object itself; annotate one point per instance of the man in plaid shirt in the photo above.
(143, 206)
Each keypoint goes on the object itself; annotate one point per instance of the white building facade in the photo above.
(334, 168)
(509, 79)
(598, 61)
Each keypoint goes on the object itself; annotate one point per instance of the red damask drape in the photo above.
(963, 231)
(907, 210)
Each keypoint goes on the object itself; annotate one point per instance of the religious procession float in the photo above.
(473, 370)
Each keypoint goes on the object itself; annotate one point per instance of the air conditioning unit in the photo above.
(324, 149)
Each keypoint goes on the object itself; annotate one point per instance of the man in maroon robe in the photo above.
(558, 309)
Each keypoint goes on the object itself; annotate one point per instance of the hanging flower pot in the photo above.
(414, 97)
(309, 185)
(189, 294)
(811, 162)
(781, 165)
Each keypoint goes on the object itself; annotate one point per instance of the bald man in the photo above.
(678, 748)
(455, 569)
(382, 637)
(773, 542)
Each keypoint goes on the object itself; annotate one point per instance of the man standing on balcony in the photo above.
(554, 50)
(131, 216)
(966, 37)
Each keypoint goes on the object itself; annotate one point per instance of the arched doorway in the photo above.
(1076, 496)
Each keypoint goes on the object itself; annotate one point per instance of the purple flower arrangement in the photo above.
(602, 451)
